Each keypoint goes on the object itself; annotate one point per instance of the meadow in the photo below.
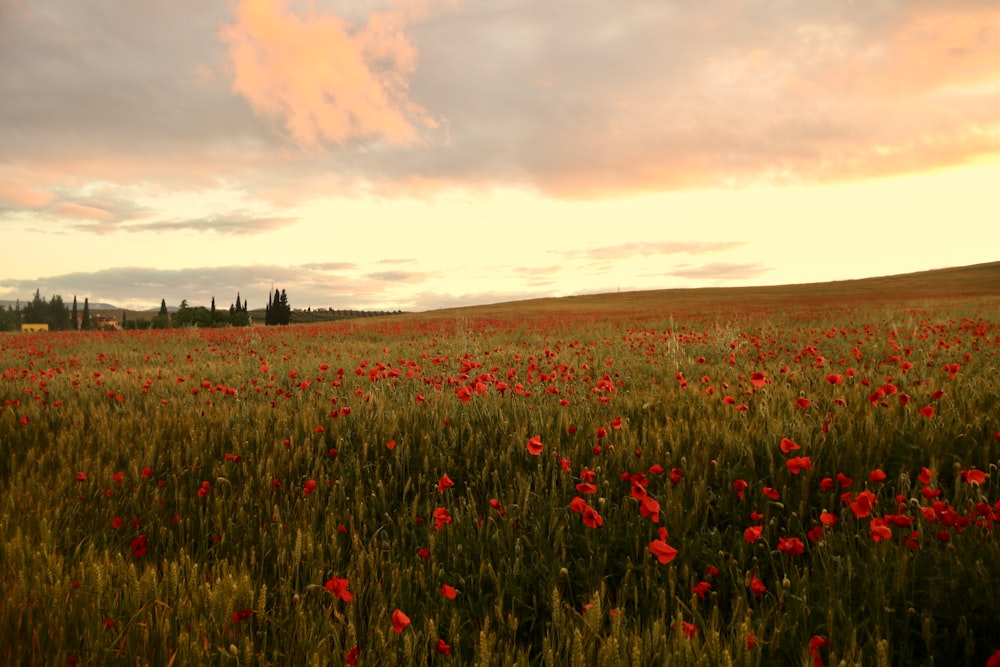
(793, 481)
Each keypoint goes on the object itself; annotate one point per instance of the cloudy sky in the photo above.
(417, 154)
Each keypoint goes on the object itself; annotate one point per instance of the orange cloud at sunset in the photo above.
(326, 79)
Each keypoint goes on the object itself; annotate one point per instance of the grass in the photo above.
(188, 497)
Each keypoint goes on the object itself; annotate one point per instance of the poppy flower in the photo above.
(650, 508)
(740, 486)
(585, 488)
(675, 475)
(591, 518)
(663, 551)
(862, 504)
(535, 445)
(835, 378)
(441, 517)
(399, 621)
(815, 644)
(578, 504)
(927, 411)
(351, 657)
(701, 589)
(689, 629)
(81, 477)
(973, 476)
(138, 546)
(788, 445)
(444, 483)
(757, 379)
(797, 464)
(802, 402)
(442, 647)
(753, 533)
(424, 552)
(877, 475)
(338, 586)
(828, 518)
(601, 433)
(390, 445)
(771, 493)
(448, 591)
(757, 587)
(791, 545)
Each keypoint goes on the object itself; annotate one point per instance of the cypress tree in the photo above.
(75, 323)
(163, 307)
(86, 314)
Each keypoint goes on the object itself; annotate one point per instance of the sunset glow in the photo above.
(417, 154)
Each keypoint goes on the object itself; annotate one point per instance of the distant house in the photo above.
(34, 327)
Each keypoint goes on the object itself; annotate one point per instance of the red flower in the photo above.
(797, 464)
(973, 476)
(879, 530)
(338, 586)
(757, 587)
(757, 379)
(601, 432)
(442, 647)
(788, 445)
(862, 504)
(802, 402)
(448, 591)
(689, 629)
(424, 552)
(586, 487)
(535, 445)
(701, 588)
(441, 517)
(663, 551)
(739, 486)
(753, 533)
(390, 445)
(791, 545)
(771, 493)
(81, 477)
(827, 519)
(591, 518)
(616, 423)
(399, 621)
(675, 475)
(138, 546)
(877, 475)
(815, 644)
(444, 483)
(578, 504)
(994, 660)
(318, 429)
(835, 378)
(351, 657)
(309, 487)
(927, 411)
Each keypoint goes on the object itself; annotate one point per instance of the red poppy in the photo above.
(757, 587)
(448, 591)
(616, 423)
(973, 476)
(578, 504)
(441, 517)
(442, 647)
(535, 445)
(81, 477)
(753, 533)
(689, 629)
(390, 445)
(591, 518)
(585, 488)
(827, 518)
(826, 484)
(770, 492)
(444, 483)
(788, 445)
(338, 586)
(424, 552)
(835, 378)
(791, 545)
(844, 480)
(877, 475)
(757, 379)
(601, 433)
(675, 475)
(797, 464)
(138, 546)
(740, 486)
(399, 621)
(663, 551)
(815, 644)
(862, 504)
(650, 508)
(994, 660)
(351, 657)
(927, 411)
(701, 589)
(802, 402)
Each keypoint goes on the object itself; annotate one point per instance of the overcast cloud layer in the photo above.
(135, 133)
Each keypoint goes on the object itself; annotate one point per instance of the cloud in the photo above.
(624, 251)
(328, 80)
(399, 276)
(723, 271)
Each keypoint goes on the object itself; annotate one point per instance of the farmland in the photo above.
(796, 476)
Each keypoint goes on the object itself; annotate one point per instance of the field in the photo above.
(793, 476)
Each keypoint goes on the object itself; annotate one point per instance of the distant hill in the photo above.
(977, 280)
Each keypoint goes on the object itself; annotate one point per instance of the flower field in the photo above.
(800, 485)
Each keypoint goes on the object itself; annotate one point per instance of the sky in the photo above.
(420, 154)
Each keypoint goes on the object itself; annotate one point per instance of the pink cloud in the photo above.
(328, 80)
(18, 196)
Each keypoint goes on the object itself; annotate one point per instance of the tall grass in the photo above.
(184, 497)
